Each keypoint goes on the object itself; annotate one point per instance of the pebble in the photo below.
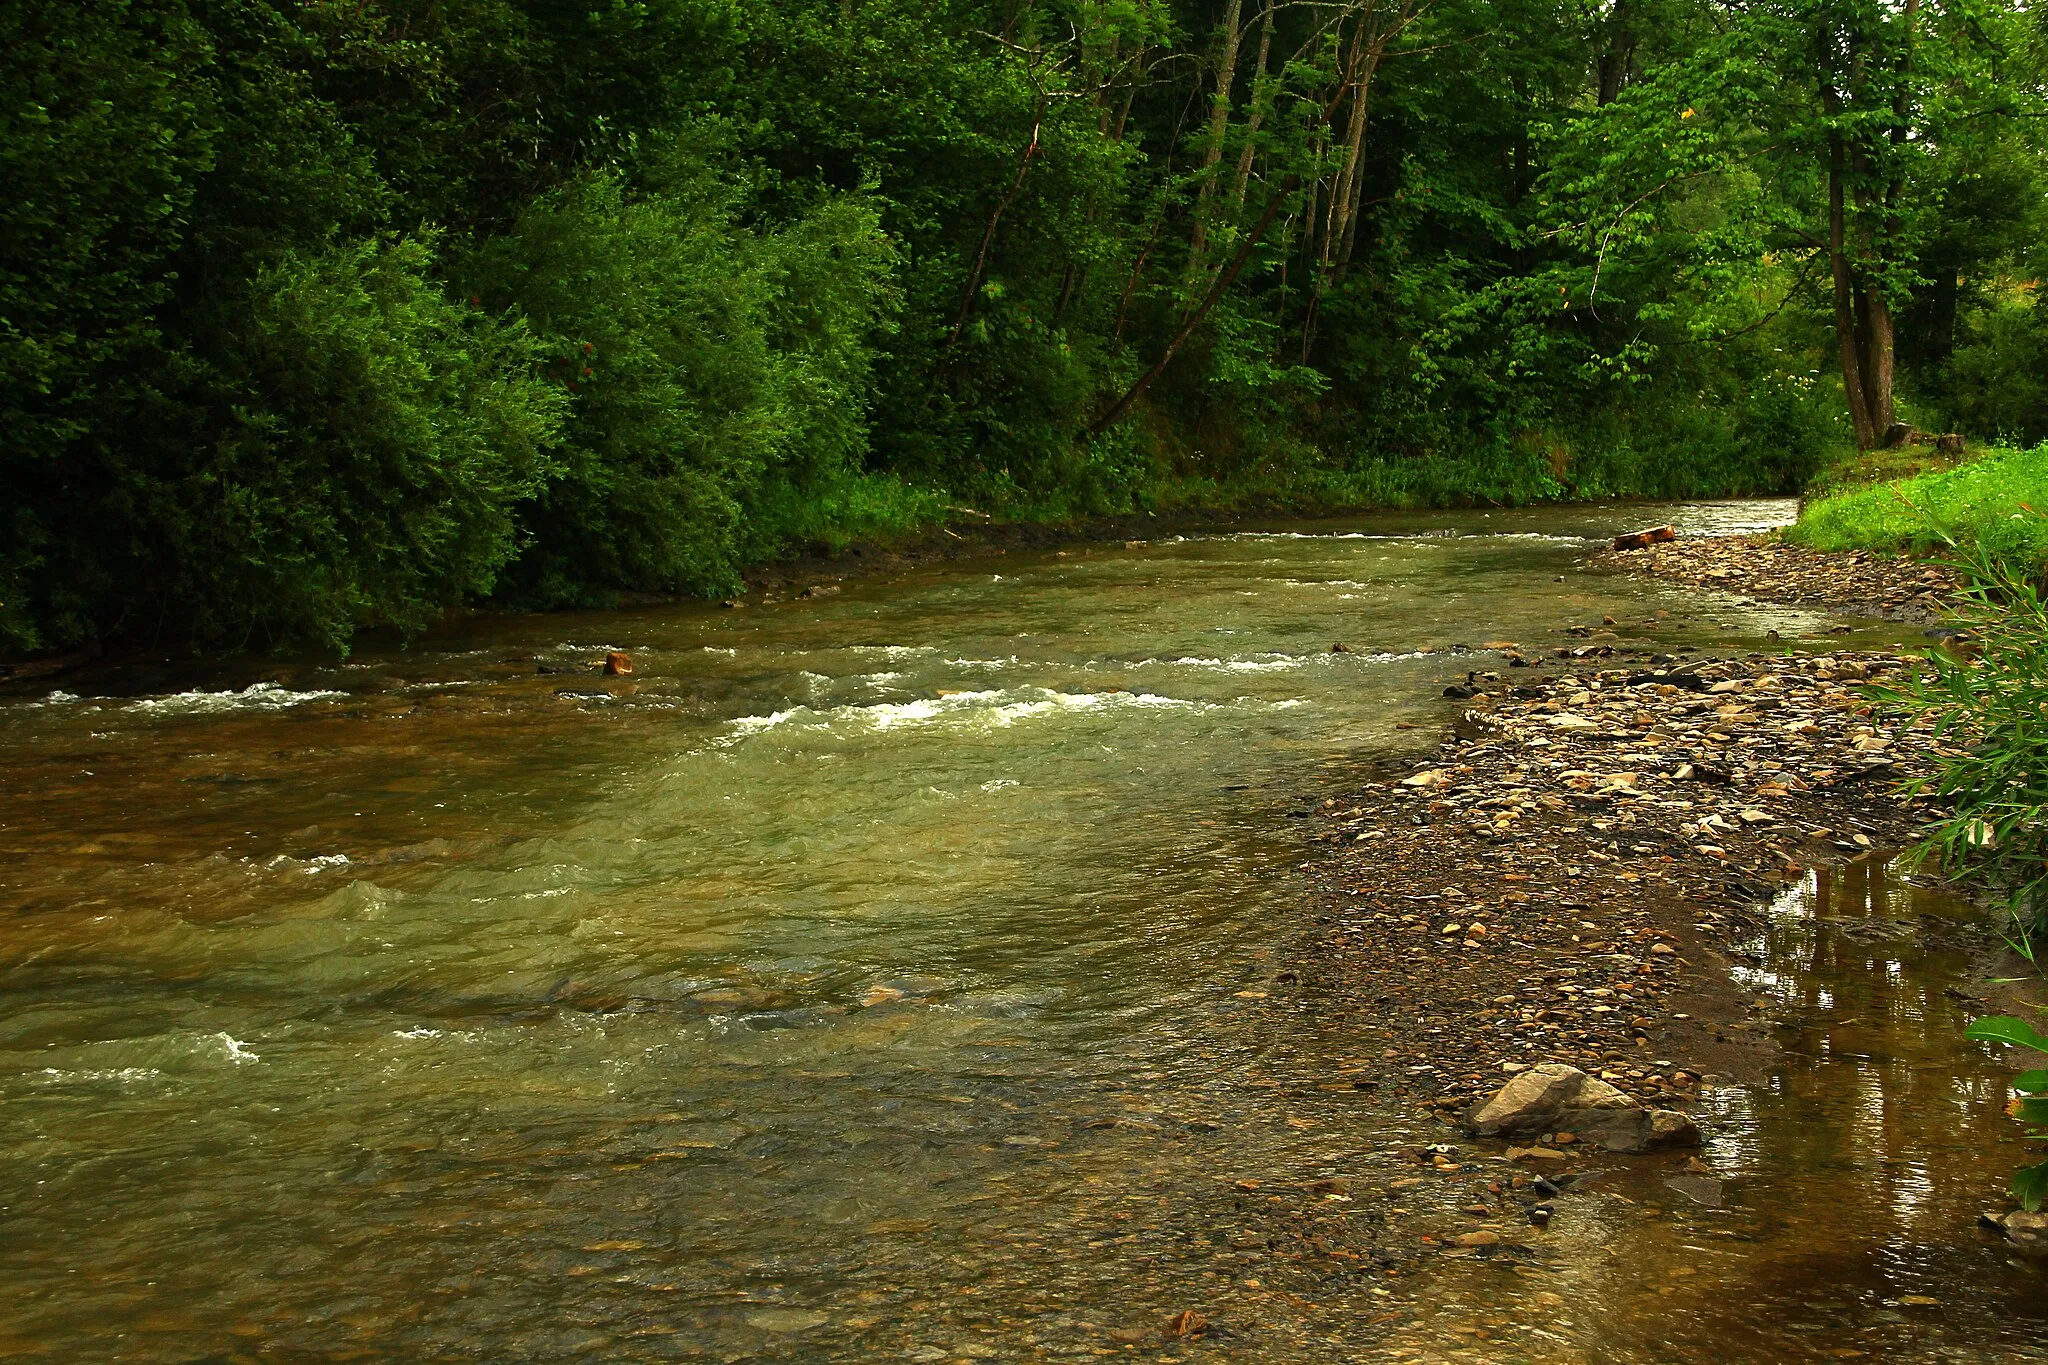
(1581, 861)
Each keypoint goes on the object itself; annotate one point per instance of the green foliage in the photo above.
(2003, 1028)
(1986, 706)
(1996, 379)
(758, 279)
(378, 441)
(711, 373)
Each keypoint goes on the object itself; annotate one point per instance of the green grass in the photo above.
(1983, 502)
(1852, 469)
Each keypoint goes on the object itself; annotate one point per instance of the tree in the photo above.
(1796, 134)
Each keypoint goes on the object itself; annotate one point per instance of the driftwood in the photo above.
(1640, 540)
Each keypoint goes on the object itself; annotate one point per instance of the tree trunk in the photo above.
(1619, 53)
(1258, 115)
(995, 219)
(1354, 136)
(1877, 365)
(1219, 124)
(1847, 340)
(1361, 108)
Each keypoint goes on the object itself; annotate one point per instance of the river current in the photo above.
(855, 981)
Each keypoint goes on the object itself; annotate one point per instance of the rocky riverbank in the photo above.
(1896, 588)
(1568, 880)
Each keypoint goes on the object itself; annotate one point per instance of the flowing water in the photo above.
(859, 980)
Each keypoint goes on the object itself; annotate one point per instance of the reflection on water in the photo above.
(1835, 1218)
(855, 981)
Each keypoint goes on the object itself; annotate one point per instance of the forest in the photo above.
(330, 316)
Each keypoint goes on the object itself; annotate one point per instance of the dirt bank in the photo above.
(1896, 588)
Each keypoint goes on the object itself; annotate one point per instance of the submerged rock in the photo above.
(2028, 1232)
(1555, 1098)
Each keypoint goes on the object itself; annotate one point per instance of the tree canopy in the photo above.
(319, 317)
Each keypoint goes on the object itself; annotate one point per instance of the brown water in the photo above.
(858, 981)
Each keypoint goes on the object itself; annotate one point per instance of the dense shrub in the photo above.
(710, 373)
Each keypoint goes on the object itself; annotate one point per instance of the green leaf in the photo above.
(2003, 1028)
(2029, 1185)
(2031, 1109)
(2032, 1082)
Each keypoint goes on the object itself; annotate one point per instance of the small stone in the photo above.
(1481, 1238)
(1698, 1188)
(1662, 949)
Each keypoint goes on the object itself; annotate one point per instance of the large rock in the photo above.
(1672, 1128)
(1555, 1098)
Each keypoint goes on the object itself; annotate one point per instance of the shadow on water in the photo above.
(1834, 1219)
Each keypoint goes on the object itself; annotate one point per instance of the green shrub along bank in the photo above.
(1988, 506)
(322, 317)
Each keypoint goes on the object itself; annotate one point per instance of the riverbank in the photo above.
(1575, 876)
(1851, 582)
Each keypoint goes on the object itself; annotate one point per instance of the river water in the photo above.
(859, 980)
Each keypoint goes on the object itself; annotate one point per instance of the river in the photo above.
(858, 980)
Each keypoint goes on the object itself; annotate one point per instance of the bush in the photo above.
(1987, 708)
(369, 467)
(1996, 382)
(710, 371)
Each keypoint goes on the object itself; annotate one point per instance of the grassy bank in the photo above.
(1983, 502)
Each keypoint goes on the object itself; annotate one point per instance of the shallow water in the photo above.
(856, 981)
(1834, 1219)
